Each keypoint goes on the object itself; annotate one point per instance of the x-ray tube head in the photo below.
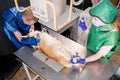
(44, 11)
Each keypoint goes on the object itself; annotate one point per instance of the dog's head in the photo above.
(36, 33)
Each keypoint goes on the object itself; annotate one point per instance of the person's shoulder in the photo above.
(10, 8)
(15, 9)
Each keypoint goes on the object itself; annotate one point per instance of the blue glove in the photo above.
(82, 24)
(30, 41)
(38, 41)
(74, 57)
(78, 61)
(81, 61)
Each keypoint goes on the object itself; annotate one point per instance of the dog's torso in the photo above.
(55, 49)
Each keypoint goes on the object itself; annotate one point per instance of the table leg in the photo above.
(28, 73)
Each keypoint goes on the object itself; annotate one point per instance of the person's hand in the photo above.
(38, 41)
(31, 29)
(81, 61)
(77, 60)
(82, 24)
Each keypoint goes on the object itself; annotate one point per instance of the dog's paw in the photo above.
(35, 47)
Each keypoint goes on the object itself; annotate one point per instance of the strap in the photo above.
(15, 11)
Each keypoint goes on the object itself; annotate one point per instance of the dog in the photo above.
(54, 48)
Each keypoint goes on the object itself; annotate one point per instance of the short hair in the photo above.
(29, 15)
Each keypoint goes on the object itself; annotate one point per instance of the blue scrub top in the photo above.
(13, 22)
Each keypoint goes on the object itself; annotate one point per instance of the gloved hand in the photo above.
(82, 24)
(30, 41)
(81, 61)
(37, 40)
(76, 60)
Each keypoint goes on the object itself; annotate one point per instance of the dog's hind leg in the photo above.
(64, 62)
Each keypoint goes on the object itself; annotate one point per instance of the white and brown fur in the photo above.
(53, 48)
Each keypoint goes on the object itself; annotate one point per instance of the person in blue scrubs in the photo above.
(17, 24)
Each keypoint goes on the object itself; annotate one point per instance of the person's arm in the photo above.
(18, 35)
(102, 52)
(30, 41)
(32, 28)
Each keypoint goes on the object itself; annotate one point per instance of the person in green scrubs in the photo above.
(103, 37)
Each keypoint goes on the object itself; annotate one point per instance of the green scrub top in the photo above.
(103, 36)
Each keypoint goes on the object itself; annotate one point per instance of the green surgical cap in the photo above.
(105, 11)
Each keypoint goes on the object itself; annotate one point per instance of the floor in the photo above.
(114, 77)
(21, 75)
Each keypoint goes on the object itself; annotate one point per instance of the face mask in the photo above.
(96, 23)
